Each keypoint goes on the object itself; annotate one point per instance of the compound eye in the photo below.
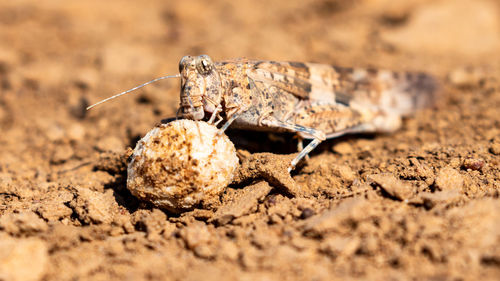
(204, 65)
(184, 62)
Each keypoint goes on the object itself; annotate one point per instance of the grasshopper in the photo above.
(315, 101)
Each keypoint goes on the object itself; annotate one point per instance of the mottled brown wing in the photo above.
(398, 92)
(314, 82)
(289, 77)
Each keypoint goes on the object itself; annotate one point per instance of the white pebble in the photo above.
(180, 164)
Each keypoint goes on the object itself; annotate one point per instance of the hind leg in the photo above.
(317, 136)
(320, 121)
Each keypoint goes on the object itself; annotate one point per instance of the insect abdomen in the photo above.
(413, 91)
(400, 93)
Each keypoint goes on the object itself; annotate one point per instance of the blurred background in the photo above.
(56, 57)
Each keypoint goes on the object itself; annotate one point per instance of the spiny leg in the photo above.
(300, 145)
(215, 114)
(228, 122)
(219, 119)
(317, 135)
(237, 112)
(312, 145)
(333, 120)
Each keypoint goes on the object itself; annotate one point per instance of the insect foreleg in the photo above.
(215, 114)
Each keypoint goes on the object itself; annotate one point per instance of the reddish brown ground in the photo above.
(421, 203)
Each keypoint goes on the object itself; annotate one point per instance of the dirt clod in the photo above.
(152, 222)
(446, 197)
(94, 207)
(271, 167)
(495, 148)
(337, 218)
(22, 224)
(449, 179)
(242, 203)
(54, 210)
(199, 238)
(394, 187)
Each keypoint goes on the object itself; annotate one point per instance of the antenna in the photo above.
(133, 89)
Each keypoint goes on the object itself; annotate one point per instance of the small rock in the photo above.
(448, 179)
(271, 167)
(24, 223)
(53, 210)
(393, 186)
(307, 213)
(343, 148)
(153, 222)
(430, 200)
(350, 210)
(94, 207)
(181, 165)
(473, 164)
(22, 259)
(344, 172)
(199, 238)
(242, 203)
(495, 148)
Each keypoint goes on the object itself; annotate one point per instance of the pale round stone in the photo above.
(178, 165)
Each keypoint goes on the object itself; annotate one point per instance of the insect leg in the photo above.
(300, 146)
(312, 145)
(317, 135)
(215, 114)
(229, 121)
(219, 119)
(237, 112)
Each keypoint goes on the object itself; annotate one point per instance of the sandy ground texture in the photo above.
(422, 203)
